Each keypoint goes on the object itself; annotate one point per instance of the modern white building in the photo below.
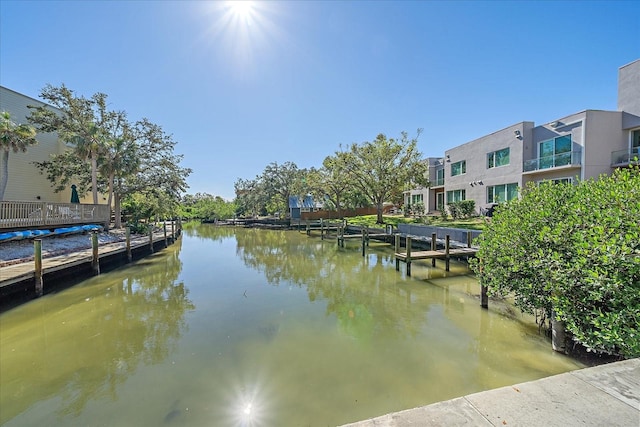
(491, 169)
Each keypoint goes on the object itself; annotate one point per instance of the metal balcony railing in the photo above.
(16, 215)
(624, 157)
(572, 158)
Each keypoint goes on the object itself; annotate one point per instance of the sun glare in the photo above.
(241, 10)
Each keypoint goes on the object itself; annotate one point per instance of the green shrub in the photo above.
(573, 250)
(462, 209)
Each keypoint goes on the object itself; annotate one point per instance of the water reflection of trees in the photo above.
(365, 294)
(207, 231)
(92, 337)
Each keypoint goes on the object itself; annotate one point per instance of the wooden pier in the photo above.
(408, 256)
(90, 258)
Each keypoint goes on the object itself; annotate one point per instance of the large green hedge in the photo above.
(574, 251)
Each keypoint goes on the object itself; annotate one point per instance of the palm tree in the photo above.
(13, 137)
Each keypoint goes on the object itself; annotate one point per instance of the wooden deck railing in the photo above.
(16, 215)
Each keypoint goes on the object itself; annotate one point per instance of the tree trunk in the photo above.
(118, 210)
(379, 208)
(94, 177)
(4, 175)
(109, 198)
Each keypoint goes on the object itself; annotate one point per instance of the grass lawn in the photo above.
(476, 223)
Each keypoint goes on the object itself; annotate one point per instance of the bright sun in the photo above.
(241, 9)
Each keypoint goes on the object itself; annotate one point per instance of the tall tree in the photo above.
(285, 180)
(331, 181)
(119, 159)
(250, 196)
(79, 122)
(381, 169)
(13, 137)
(159, 175)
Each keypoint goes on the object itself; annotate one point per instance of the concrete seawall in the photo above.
(605, 395)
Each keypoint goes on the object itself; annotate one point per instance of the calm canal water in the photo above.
(244, 327)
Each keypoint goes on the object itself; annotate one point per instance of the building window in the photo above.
(456, 196)
(440, 201)
(635, 141)
(440, 176)
(459, 168)
(555, 152)
(567, 180)
(502, 193)
(416, 198)
(498, 158)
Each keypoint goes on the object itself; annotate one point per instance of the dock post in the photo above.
(367, 236)
(397, 251)
(127, 233)
(151, 238)
(308, 228)
(469, 238)
(434, 246)
(37, 257)
(408, 259)
(321, 229)
(173, 232)
(484, 298)
(363, 241)
(95, 260)
(446, 252)
(164, 226)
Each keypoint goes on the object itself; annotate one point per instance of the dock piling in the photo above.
(408, 259)
(397, 251)
(95, 260)
(151, 238)
(37, 257)
(164, 226)
(484, 297)
(446, 252)
(127, 233)
(434, 246)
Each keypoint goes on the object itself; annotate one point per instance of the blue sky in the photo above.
(292, 81)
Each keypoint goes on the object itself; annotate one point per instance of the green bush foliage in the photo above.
(572, 250)
(462, 209)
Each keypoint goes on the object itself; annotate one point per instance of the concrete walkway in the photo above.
(605, 395)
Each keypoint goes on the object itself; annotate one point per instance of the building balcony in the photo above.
(439, 182)
(566, 160)
(625, 157)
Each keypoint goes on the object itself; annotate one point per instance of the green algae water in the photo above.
(246, 327)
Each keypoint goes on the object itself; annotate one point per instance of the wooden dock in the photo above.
(408, 256)
(33, 271)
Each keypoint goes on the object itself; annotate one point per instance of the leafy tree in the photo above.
(283, 180)
(331, 182)
(124, 158)
(250, 196)
(159, 175)
(207, 207)
(78, 122)
(13, 137)
(572, 252)
(382, 168)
